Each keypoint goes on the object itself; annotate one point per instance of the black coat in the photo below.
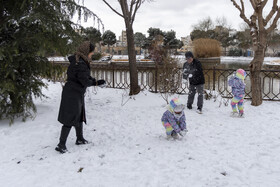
(72, 106)
(194, 68)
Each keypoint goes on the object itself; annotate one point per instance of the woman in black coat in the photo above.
(72, 106)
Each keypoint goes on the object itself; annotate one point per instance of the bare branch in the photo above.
(264, 3)
(125, 11)
(242, 14)
(242, 5)
(271, 13)
(112, 8)
(86, 12)
(131, 6)
(253, 3)
(137, 6)
(274, 23)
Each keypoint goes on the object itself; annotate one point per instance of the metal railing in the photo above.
(150, 78)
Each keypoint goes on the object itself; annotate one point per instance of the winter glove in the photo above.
(231, 76)
(100, 82)
(183, 132)
(103, 85)
(185, 71)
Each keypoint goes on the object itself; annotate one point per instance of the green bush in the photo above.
(235, 52)
(96, 56)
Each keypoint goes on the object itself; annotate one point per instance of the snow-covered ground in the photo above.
(128, 145)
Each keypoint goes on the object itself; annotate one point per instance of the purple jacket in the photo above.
(238, 86)
(177, 124)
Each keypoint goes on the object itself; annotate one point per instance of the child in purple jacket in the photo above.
(238, 92)
(174, 119)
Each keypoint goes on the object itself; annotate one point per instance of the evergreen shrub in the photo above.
(235, 52)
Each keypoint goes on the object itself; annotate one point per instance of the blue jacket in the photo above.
(177, 124)
(238, 86)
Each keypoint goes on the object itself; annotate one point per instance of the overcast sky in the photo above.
(177, 15)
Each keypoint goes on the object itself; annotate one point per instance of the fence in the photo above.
(150, 78)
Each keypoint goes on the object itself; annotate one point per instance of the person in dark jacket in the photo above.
(72, 106)
(192, 70)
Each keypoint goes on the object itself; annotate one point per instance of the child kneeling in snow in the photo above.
(174, 119)
(238, 92)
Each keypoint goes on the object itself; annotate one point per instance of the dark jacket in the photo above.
(72, 106)
(194, 72)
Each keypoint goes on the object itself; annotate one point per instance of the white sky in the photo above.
(177, 15)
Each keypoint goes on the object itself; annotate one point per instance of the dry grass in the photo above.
(204, 48)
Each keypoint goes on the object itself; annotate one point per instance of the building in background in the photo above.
(187, 45)
(120, 47)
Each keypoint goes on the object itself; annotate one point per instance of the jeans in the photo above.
(192, 91)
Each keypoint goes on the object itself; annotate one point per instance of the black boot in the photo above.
(79, 134)
(61, 147)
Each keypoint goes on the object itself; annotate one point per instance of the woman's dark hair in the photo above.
(91, 47)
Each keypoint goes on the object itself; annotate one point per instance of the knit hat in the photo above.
(188, 55)
(241, 74)
(176, 106)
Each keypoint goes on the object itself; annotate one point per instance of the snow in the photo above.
(247, 60)
(129, 148)
(58, 59)
(181, 58)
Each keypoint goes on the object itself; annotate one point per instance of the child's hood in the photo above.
(241, 74)
(175, 104)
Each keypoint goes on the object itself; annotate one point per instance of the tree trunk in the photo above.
(109, 49)
(99, 47)
(255, 70)
(134, 87)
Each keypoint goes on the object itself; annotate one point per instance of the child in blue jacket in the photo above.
(238, 92)
(174, 119)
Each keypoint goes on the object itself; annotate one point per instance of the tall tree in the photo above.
(196, 34)
(244, 41)
(93, 35)
(170, 41)
(129, 9)
(139, 39)
(29, 30)
(219, 30)
(222, 35)
(109, 38)
(274, 42)
(260, 29)
(153, 33)
(204, 24)
(223, 22)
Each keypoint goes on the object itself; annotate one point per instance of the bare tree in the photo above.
(205, 24)
(129, 9)
(260, 29)
(222, 21)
